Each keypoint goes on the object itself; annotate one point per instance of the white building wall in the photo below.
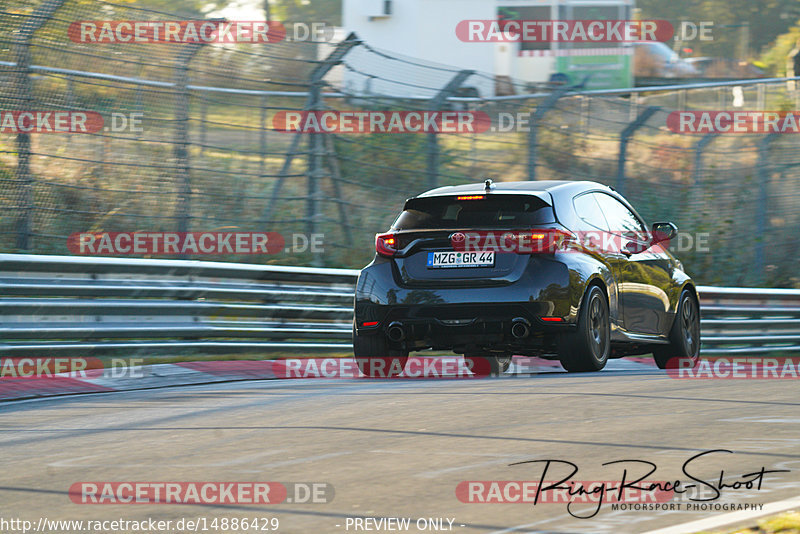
(423, 31)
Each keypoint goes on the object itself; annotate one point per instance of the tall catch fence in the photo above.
(206, 152)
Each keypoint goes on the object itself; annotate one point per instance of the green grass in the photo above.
(787, 523)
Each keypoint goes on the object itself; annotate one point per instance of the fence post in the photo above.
(537, 115)
(181, 141)
(633, 106)
(435, 104)
(262, 137)
(316, 147)
(23, 87)
(761, 208)
(586, 115)
(692, 207)
(203, 120)
(315, 170)
(315, 80)
(682, 99)
(698, 156)
(336, 176)
(796, 93)
(624, 137)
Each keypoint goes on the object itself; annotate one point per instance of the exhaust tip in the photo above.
(395, 332)
(520, 328)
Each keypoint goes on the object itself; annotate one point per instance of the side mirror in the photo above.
(663, 231)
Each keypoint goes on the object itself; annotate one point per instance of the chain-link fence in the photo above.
(190, 142)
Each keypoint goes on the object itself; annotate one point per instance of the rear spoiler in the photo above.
(544, 196)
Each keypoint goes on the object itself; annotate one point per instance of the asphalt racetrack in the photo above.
(400, 448)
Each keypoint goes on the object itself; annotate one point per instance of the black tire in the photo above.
(375, 359)
(684, 336)
(588, 347)
(484, 364)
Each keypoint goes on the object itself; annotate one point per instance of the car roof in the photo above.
(535, 188)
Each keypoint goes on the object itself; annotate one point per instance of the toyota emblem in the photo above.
(458, 237)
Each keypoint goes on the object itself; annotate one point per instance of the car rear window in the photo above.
(507, 211)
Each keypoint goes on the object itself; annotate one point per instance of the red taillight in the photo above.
(369, 323)
(546, 240)
(386, 245)
(552, 319)
(533, 241)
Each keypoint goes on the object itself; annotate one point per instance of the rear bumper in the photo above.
(475, 333)
(464, 316)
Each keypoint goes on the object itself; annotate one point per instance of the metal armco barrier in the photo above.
(58, 303)
(52, 303)
(745, 321)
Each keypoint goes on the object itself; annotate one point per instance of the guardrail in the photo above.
(65, 303)
(749, 320)
(71, 303)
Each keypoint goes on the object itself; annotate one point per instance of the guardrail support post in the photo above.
(21, 85)
(435, 104)
(624, 137)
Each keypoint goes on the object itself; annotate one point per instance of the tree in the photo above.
(327, 11)
(776, 56)
(766, 20)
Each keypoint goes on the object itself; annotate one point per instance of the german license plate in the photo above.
(449, 260)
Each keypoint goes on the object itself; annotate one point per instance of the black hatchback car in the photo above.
(558, 269)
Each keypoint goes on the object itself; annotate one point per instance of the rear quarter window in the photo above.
(587, 208)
